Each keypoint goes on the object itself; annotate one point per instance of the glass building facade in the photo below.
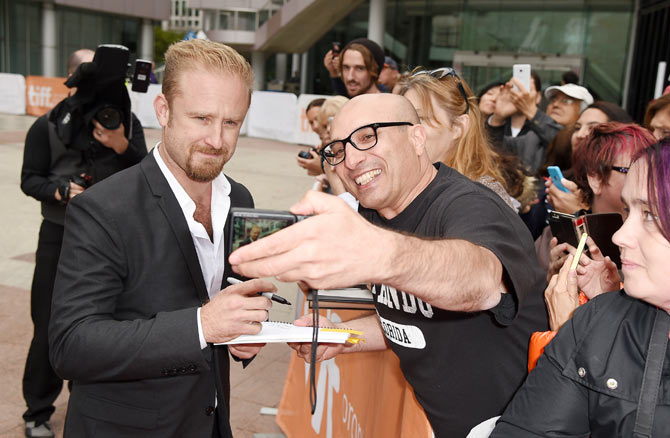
(21, 34)
(590, 37)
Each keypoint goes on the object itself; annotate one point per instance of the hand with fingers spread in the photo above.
(561, 295)
(324, 351)
(525, 101)
(236, 310)
(334, 248)
(598, 274)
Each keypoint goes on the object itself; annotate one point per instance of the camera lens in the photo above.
(109, 117)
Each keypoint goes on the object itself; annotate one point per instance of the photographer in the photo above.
(54, 172)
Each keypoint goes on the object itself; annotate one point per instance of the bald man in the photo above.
(456, 285)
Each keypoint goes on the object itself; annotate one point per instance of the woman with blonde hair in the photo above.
(455, 135)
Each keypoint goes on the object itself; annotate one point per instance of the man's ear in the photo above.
(162, 110)
(417, 134)
(460, 126)
(595, 183)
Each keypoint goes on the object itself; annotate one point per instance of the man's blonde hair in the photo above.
(209, 55)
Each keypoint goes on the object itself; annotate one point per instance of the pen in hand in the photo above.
(269, 295)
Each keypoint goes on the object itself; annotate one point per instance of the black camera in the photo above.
(101, 95)
(249, 224)
(304, 154)
(83, 180)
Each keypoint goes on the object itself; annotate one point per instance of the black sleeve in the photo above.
(497, 228)
(137, 147)
(36, 163)
(549, 403)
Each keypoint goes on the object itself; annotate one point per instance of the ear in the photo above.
(417, 133)
(460, 126)
(162, 110)
(595, 183)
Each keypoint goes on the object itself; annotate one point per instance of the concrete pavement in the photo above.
(267, 168)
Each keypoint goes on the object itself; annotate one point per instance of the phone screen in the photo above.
(247, 229)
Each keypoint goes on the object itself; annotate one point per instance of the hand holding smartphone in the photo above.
(521, 72)
(556, 177)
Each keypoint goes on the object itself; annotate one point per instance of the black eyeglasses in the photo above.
(362, 138)
(439, 73)
(620, 169)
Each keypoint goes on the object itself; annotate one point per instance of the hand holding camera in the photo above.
(112, 138)
(331, 60)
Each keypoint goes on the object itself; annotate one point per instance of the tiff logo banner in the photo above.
(43, 93)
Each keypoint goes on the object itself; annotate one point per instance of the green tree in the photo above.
(162, 40)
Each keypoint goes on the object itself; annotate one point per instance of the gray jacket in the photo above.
(532, 142)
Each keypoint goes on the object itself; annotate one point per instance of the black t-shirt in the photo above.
(464, 367)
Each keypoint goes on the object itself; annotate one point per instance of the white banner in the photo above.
(272, 116)
(142, 105)
(12, 94)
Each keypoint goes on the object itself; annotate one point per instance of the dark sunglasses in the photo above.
(623, 170)
(439, 73)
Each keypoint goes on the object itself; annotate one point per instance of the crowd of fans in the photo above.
(505, 138)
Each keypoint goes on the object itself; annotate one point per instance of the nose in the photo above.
(352, 156)
(623, 236)
(215, 136)
(658, 133)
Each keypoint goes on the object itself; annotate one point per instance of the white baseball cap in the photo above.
(571, 90)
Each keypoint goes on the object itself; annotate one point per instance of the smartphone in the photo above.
(142, 75)
(521, 72)
(556, 177)
(336, 47)
(248, 224)
(563, 227)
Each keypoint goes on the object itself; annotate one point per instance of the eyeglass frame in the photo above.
(621, 169)
(439, 73)
(344, 141)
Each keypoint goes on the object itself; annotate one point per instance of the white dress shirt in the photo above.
(211, 255)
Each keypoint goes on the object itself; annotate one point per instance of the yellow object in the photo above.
(578, 253)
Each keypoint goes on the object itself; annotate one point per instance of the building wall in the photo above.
(21, 33)
(429, 32)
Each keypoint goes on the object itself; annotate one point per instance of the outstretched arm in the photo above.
(337, 247)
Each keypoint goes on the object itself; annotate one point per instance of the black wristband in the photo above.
(64, 192)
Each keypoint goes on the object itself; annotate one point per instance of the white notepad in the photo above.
(284, 332)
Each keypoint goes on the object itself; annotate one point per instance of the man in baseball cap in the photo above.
(566, 102)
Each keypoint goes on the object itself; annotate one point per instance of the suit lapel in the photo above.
(167, 202)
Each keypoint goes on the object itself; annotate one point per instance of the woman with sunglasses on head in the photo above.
(607, 372)
(454, 134)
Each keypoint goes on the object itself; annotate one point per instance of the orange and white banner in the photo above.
(43, 93)
(360, 395)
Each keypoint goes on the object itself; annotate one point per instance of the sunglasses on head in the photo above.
(440, 73)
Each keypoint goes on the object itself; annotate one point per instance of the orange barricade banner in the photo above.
(43, 93)
(361, 395)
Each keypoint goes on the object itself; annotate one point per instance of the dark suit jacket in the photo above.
(123, 323)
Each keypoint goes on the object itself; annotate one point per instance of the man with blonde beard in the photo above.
(139, 298)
